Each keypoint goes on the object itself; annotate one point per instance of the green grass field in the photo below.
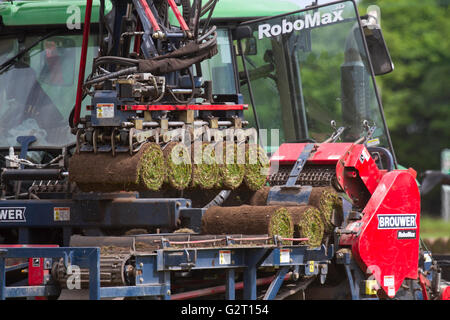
(433, 227)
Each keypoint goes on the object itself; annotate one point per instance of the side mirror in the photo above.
(249, 47)
(379, 53)
(244, 34)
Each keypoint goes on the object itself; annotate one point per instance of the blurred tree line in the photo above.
(416, 95)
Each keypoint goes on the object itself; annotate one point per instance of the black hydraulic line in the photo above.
(208, 20)
(387, 154)
(219, 199)
(112, 75)
(31, 174)
(250, 91)
(191, 76)
(115, 60)
(186, 5)
(206, 7)
(196, 18)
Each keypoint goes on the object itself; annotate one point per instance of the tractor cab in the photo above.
(40, 49)
(309, 75)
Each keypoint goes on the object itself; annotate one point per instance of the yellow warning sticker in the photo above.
(61, 214)
(285, 256)
(225, 257)
(311, 267)
(105, 110)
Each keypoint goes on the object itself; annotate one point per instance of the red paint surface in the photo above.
(151, 18)
(84, 47)
(178, 15)
(358, 174)
(445, 293)
(326, 153)
(380, 249)
(168, 107)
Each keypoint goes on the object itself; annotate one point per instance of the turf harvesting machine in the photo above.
(144, 173)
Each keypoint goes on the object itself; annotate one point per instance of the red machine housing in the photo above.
(385, 242)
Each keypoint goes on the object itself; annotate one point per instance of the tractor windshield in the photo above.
(38, 89)
(307, 70)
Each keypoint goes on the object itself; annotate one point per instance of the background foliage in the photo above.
(416, 96)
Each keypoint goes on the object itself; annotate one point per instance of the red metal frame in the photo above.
(168, 107)
(150, 15)
(326, 153)
(445, 295)
(357, 159)
(178, 15)
(392, 258)
(84, 46)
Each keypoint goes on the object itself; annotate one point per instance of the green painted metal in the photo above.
(253, 8)
(248, 9)
(48, 12)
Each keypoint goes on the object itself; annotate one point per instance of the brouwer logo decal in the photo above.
(305, 22)
(397, 221)
(12, 214)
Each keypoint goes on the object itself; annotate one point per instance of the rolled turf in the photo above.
(287, 222)
(327, 201)
(256, 167)
(152, 170)
(308, 224)
(104, 173)
(247, 220)
(323, 198)
(205, 170)
(178, 165)
(231, 169)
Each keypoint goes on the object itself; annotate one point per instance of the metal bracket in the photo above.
(299, 164)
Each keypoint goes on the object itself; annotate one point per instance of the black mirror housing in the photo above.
(242, 32)
(379, 53)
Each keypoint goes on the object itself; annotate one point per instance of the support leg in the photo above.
(94, 275)
(230, 286)
(250, 283)
(276, 284)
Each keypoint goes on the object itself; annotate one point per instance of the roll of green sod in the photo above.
(178, 165)
(152, 169)
(256, 167)
(205, 170)
(104, 173)
(232, 167)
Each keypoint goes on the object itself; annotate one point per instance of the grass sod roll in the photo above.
(323, 198)
(308, 224)
(102, 172)
(178, 165)
(248, 220)
(326, 200)
(152, 169)
(205, 170)
(281, 224)
(232, 167)
(256, 167)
